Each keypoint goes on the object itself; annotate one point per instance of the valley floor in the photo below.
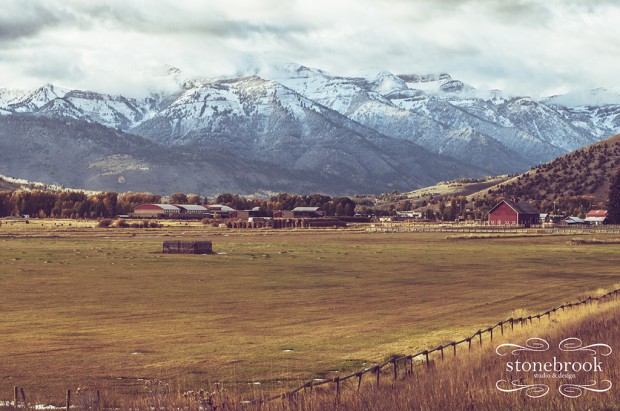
(271, 309)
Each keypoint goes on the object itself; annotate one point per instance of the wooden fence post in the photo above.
(411, 364)
(15, 390)
(480, 336)
(428, 363)
(491, 331)
(23, 397)
(441, 349)
(68, 399)
(378, 374)
(454, 347)
(337, 379)
(469, 342)
(395, 370)
(359, 381)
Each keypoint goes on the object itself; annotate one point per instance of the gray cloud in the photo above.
(528, 46)
(26, 20)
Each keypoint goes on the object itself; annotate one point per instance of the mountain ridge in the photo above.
(387, 129)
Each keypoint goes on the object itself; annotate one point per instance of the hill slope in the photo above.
(584, 172)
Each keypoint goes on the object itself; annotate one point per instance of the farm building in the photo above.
(187, 247)
(307, 212)
(253, 213)
(156, 210)
(221, 211)
(299, 212)
(596, 217)
(514, 213)
(192, 209)
(186, 211)
(573, 220)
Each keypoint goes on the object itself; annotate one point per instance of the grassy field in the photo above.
(103, 307)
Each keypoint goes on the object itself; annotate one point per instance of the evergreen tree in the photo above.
(613, 204)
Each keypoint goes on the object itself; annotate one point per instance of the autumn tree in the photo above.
(178, 198)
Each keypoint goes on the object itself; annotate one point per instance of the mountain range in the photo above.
(294, 129)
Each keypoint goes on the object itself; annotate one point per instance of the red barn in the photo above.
(514, 213)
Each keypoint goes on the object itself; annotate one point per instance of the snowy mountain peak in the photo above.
(311, 120)
(590, 98)
(425, 78)
(386, 83)
(441, 83)
(27, 101)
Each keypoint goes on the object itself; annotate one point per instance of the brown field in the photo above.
(102, 307)
(469, 381)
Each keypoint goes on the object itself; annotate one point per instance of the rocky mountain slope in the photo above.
(381, 133)
(81, 154)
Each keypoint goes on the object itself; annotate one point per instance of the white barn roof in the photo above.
(167, 207)
(192, 207)
(220, 207)
(306, 209)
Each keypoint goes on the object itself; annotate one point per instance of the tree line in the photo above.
(76, 204)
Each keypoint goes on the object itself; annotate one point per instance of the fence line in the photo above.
(426, 353)
(395, 228)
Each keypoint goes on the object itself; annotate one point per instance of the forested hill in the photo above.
(582, 175)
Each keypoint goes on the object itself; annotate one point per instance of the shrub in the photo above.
(120, 223)
(105, 223)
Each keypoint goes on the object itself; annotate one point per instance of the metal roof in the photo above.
(192, 207)
(220, 207)
(595, 219)
(522, 207)
(167, 207)
(574, 220)
(306, 209)
(597, 213)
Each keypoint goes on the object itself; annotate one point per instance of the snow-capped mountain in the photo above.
(398, 131)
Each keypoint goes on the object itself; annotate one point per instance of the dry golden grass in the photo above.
(465, 382)
(101, 307)
(469, 382)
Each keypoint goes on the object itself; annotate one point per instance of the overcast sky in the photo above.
(530, 47)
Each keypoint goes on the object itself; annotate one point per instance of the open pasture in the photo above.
(104, 307)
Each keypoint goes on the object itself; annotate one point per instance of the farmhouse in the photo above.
(514, 213)
(596, 217)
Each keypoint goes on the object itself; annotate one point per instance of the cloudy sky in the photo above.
(533, 47)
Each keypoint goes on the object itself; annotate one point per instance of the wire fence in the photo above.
(406, 363)
(456, 228)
